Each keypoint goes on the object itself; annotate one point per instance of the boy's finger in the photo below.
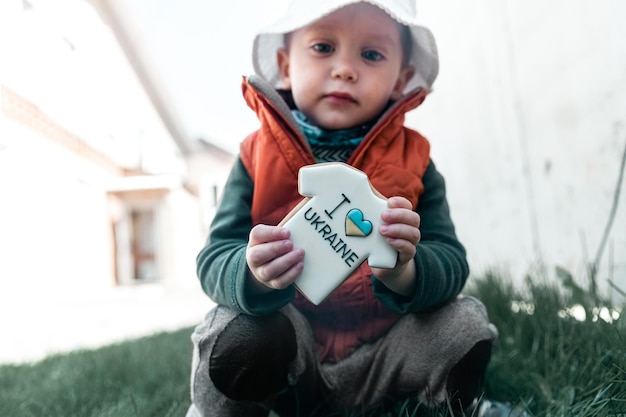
(281, 269)
(263, 253)
(399, 202)
(263, 233)
(288, 277)
(401, 215)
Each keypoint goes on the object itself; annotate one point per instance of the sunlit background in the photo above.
(120, 119)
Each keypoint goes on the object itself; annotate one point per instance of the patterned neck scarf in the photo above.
(331, 145)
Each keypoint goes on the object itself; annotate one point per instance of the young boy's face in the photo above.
(344, 68)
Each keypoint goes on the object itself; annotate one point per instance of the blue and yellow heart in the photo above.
(356, 225)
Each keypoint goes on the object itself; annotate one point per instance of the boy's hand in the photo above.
(272, 260)
(401, 230)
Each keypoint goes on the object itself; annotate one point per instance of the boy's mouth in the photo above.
(340, 98)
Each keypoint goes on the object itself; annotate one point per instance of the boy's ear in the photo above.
(406, 73)
(282, 58)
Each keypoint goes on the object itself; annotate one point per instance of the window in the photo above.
(143, 245)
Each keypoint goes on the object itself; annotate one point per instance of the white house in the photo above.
(99, 189)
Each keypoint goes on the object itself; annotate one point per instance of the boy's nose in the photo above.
(344, 70)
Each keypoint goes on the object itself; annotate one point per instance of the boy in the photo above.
(333, 81)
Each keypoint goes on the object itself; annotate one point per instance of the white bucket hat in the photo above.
(301, 13)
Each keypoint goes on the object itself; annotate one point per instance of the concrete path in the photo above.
(34, 327)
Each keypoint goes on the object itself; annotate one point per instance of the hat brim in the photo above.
(268, 41)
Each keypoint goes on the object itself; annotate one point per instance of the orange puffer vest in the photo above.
(395, 159)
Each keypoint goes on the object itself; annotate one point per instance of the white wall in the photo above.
(183, 239)
(54, 223)
(61, 56)
(527, 122)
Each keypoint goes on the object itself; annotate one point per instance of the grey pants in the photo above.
(417, 358)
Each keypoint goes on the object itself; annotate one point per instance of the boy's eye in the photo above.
(372, 55)
(323, 48)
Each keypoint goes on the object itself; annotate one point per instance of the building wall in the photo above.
(185, 238)
(527, 121)
(53, 217)
(74, 123)
(61, 56)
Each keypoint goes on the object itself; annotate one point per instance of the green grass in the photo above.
(144, 377)
(558, 365)
(544, 359)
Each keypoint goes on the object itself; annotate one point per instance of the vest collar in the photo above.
(266, 92)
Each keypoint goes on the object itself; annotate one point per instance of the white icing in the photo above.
(337, 227)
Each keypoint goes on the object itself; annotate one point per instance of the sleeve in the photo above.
(221, 264)
(440, 261)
